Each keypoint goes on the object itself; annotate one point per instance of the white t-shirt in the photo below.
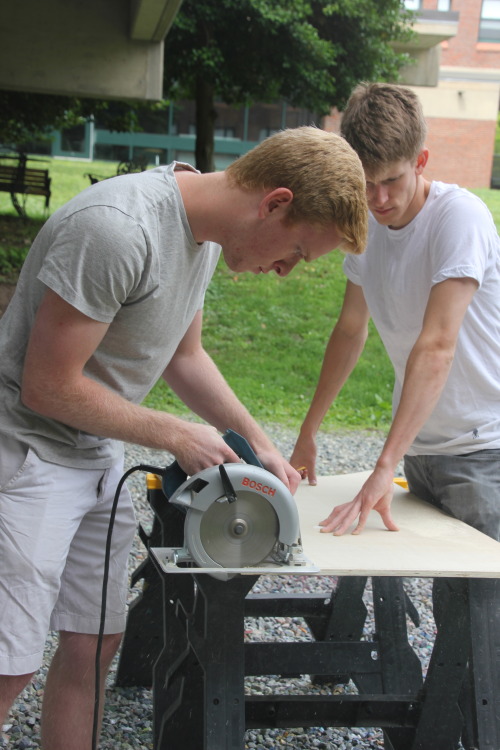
(453, 236)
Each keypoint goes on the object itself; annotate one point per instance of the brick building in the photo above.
(471, 60)
(456, 73)
(462, 111)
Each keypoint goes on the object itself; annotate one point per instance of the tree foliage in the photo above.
(29, 117)
(363, 33)
(310, 53)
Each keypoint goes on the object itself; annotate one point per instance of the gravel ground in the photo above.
(127, 722)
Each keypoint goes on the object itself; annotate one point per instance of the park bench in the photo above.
(18, 179)
(124, 167)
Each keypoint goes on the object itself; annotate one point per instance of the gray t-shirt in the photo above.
(122, 253)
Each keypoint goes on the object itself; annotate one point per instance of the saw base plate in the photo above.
(171, 560)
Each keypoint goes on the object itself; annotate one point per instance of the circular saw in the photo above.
(238, 515)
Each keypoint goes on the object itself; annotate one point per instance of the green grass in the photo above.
(266, 334)
(68, 179)
(492, 200)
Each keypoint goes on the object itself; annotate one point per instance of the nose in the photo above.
(379, 195)
(283, 267)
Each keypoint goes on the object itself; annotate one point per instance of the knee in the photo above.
(10, 687)
(80, 648)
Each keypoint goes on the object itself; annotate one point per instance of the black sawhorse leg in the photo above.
(199, 697)
(144, 637)
(484, 603)
(462, 689)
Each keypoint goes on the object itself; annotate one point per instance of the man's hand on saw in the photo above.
(200, 446)
(376, 494)
(276, 464)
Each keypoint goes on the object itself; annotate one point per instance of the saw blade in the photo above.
(241, 533)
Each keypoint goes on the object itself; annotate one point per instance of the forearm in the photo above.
(425, 377)
(90, 407)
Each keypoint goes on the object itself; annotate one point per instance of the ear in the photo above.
(277, 199)
(422, 160)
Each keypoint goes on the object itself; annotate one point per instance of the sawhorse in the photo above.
(185, 636)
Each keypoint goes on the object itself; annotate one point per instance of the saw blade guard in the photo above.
(273, 499)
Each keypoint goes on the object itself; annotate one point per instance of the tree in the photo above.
(308, 52)
(363, 32)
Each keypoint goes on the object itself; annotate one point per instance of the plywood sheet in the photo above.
(429, 543)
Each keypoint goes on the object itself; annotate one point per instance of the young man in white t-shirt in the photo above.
(430, 280)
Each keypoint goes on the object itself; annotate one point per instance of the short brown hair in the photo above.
(322, 171)
(384, 123)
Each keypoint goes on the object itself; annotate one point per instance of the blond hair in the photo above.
(321, 170)
(384, 123)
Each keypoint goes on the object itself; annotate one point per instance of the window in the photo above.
(442, 5)
(489, 25)
(225, 132)
(73, 139)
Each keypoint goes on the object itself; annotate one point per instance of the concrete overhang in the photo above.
(431, 27)
(85, 48)
(434, 27)
(152, 19)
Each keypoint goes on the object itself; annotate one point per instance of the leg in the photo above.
(10, 687)
(32, 553)
(68, 704)
(12, 458)
(68, 708)
(53, 526)
(466, 487)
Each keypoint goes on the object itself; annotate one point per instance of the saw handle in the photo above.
(174, 475)
(241, 447)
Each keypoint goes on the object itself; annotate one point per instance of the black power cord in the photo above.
(140, 467)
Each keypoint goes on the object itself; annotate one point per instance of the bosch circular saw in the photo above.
(239, 517)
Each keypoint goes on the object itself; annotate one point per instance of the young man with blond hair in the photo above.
(430, 280)
(109, 300)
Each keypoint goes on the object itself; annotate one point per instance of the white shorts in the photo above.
(53, 527)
